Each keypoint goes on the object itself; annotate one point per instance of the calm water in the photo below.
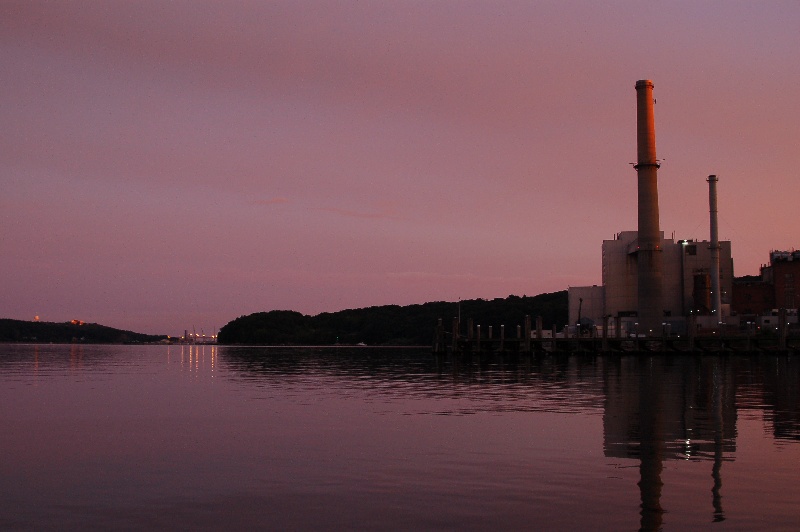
(125, 437)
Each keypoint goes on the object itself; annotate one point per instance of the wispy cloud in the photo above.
(271, 201)
(432, 276)
(385, 215)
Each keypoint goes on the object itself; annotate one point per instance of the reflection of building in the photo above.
(691, 387)
(659, 409)
(777, 394)
(785, 383)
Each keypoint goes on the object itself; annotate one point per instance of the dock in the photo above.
(530, 339)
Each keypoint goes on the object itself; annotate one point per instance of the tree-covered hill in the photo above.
(390, 324)
(60, 333)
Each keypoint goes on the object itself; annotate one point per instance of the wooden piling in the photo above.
(456, 326)
(527, 341)
(438, 341)
(749, 338)
(782, 329)
(539, 328)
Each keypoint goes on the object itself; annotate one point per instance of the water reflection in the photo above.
(771, 384)
(194, 358)
(654, 408)
(370, 438)
(499, 384)
(51, 359)
(667, 408)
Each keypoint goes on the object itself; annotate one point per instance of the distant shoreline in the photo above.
(74, 332)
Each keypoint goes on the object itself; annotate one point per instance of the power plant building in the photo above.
(686, 283)
(651, 283)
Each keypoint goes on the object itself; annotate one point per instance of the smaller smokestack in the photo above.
(716, 296)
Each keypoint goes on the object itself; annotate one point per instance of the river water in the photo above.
(209, 438)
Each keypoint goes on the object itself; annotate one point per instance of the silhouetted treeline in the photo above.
(62, 333)
(391, 324)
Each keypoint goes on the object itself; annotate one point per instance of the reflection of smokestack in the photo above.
(649, 253)
(652, 441)
(716, 296)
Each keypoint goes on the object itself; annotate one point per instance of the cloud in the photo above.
(357, 214)
(425, 276)
(271, 201)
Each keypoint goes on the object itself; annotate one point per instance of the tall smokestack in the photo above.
(651, 308)
(716, 295)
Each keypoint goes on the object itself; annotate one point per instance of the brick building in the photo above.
(778, 286)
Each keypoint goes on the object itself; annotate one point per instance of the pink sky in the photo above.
(175, 164)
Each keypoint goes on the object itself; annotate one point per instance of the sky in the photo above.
(174, 165)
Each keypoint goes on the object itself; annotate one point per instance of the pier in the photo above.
(531, 339)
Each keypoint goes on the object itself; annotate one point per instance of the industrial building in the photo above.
(757, 298)
(686, 284)
(650, 284)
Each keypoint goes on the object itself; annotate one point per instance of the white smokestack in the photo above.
(716, 296)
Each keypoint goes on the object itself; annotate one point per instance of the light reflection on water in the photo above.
(206, 437)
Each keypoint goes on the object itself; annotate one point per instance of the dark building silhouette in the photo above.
(778, 286)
